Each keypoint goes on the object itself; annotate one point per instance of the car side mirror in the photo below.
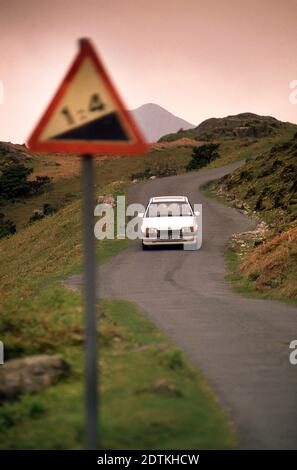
(197, 213)
(140, 214)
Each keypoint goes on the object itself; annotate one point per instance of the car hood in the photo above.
(165, 223)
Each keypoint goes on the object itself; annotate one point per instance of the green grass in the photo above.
(240, 284)
(243, 284)
(239, 149)
(151, 396)
(190, 134)
(209, 192)
(32, 264)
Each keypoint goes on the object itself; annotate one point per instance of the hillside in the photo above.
(13, 154)
(267, 187)
(243, 126)
(64, 173)
(156, 121)
(268, 184)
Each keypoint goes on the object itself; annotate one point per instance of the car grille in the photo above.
(170, 234)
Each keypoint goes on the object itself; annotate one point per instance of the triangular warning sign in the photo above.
(86, 114)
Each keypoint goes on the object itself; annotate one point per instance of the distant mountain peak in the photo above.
(147, 105)
(152, 106)
(155, 121)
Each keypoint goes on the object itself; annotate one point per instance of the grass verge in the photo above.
(151, 396)
(247, 283)
(267, 270)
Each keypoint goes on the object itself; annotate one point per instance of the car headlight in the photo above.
(193, 228)
(151, 232)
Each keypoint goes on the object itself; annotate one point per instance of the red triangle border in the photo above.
(136, 147)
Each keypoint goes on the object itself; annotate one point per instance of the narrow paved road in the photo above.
(240, 344)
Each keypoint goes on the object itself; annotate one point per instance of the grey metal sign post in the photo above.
(91, 363)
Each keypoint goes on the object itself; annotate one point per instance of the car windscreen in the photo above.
(169, 209)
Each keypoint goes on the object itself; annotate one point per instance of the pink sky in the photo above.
(196, 58)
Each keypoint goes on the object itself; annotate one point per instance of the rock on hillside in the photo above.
(30, 374)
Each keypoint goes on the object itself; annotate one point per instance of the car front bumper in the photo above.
(169, 241)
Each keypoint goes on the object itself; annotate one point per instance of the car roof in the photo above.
(169, 198)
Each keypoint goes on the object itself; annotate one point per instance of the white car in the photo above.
(170, 220)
